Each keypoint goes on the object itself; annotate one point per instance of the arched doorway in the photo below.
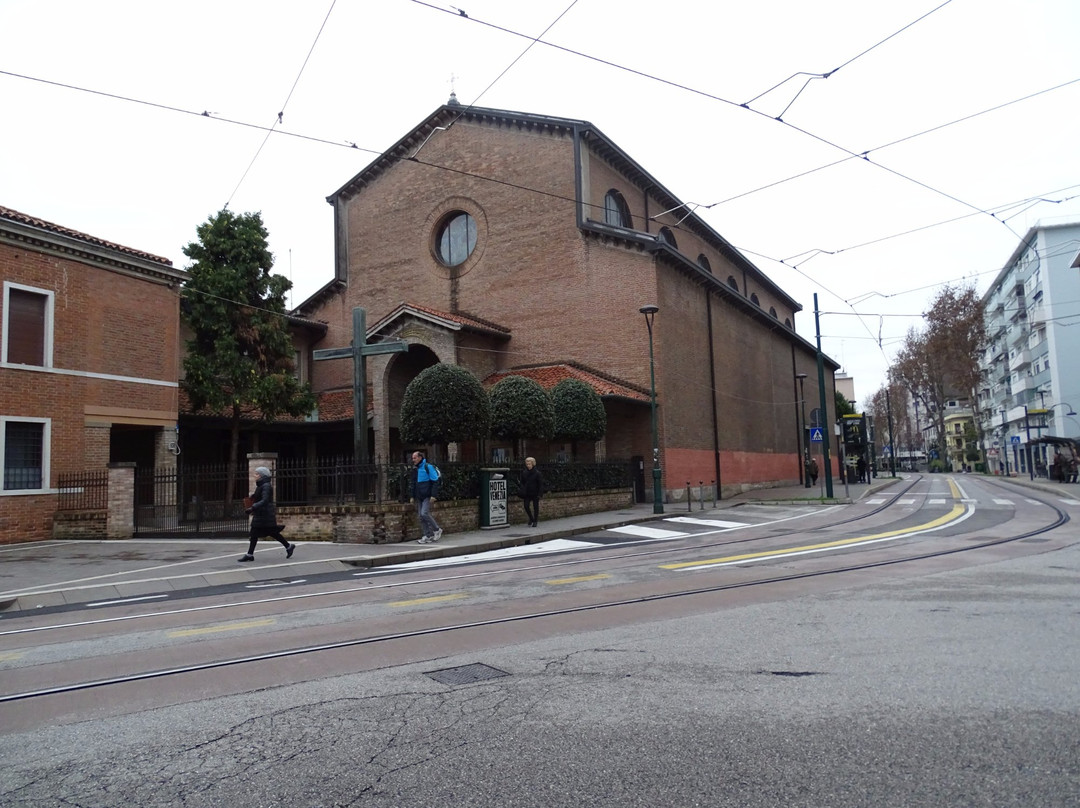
(401, 370)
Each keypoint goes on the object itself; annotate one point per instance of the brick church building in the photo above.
(508, 242)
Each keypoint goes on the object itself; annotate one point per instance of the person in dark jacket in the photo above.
(532, 488)
(424, 485)
(264, 515)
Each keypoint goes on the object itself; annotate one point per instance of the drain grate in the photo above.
(466, 674)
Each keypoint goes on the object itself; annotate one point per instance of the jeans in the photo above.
(428, 525)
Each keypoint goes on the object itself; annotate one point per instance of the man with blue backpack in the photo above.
(424, 490)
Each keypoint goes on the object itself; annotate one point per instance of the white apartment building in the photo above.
(1031, 369)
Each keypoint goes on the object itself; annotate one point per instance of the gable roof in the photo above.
(547, 376)
(452, 321)
(604, 147)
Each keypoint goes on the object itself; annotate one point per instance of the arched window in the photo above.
(772, 311)
(668, 238)
(456, 238)
(703, 262)
(754, 300)
(787, 322)
(616, 211)
(734, 284)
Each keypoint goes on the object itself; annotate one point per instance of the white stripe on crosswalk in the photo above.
(1003, 502)
(937, 502)
(876, 501)
(689, 520)
(906, 501)
(647, 532)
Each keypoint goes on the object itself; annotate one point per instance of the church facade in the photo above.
(507, 242)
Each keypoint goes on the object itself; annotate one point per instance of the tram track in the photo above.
(1061, 517)
(652, 551)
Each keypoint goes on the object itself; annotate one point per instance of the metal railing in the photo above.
(83, 491)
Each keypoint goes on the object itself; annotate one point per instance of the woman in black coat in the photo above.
(532, 488)
(264, 515)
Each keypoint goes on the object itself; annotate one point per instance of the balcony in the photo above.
(1020, 359)
(1037, 315)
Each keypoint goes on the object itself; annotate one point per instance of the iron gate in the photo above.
(190, 502)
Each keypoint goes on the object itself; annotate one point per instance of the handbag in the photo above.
(248, 502)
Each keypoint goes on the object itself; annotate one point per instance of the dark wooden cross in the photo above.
(358, 351)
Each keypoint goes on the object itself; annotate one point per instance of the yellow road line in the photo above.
(11, 656)
(191, 632)
(576, 580)
(955, 513)
(435, 599)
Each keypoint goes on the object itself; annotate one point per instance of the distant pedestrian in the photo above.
(532, 488)
(424, 488)
(264, 515)
(812, 470)
(860, 467)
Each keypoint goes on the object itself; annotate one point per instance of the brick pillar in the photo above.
(120, 521)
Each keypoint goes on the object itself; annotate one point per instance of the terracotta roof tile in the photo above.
(33, 221)
(547, 376)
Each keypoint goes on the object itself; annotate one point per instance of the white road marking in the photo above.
(937, 502)
(647, 532)
(707, 522)
(1070, 502)
(553, 546)
(875, 501)
(1003, 502)
(126, 600)
(906, 501)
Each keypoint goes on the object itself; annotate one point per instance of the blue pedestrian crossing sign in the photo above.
(815, 434)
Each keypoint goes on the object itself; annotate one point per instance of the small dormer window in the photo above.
(668, 238)
(703, 262)
(734, 284)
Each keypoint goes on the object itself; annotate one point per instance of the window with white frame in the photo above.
(24, 449)
(28, 326)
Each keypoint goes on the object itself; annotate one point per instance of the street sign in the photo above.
(1014, 439)
(815, 434)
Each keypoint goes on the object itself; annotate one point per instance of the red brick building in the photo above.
(88, 363)
(505, 241)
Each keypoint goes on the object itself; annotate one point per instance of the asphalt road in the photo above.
(902, 686)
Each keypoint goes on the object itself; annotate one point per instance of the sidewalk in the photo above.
(54, 573)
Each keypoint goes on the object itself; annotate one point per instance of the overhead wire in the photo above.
(813, 76)
(281, 113)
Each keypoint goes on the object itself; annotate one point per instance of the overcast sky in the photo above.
(103, 128)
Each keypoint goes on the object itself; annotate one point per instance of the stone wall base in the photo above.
(395, 522)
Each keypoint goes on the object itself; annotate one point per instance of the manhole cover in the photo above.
(466, 674)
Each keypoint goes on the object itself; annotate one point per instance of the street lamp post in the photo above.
(658, 494)
(1005, 441)
(804, 447)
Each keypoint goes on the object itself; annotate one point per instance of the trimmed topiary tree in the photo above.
(444, 403)
(521, 409)
(579, 413)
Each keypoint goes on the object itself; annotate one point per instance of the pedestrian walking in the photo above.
(424, 486)
(860, 467)
(264, 515)
(812, 470)
(532, 488)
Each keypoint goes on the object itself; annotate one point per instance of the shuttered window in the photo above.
(26, 327)
(24, 455)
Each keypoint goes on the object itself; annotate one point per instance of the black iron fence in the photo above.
(83, 491)
(191, 500)
(208, 499)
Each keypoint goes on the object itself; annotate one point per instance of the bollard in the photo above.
(689, 500)
(701, 494)
(713, 484)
